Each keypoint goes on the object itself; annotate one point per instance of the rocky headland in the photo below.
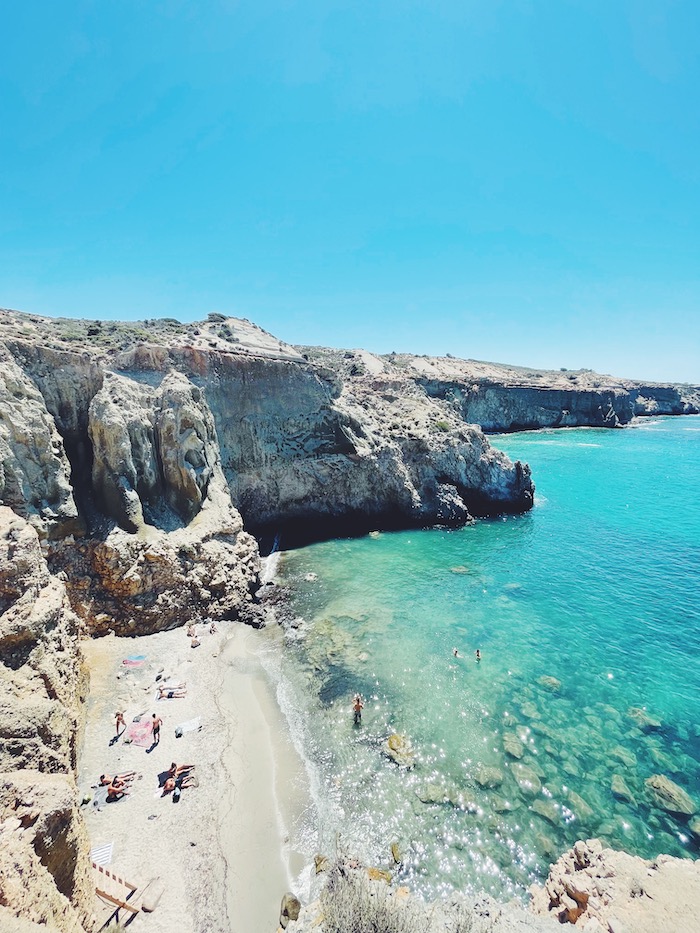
(142, 464)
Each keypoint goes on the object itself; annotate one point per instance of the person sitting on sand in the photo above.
(117, 789)
(213, 629)
(168, 691)
(191, 630)
(124, 778)
(195, 643)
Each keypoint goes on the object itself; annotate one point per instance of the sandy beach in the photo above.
(223, 850)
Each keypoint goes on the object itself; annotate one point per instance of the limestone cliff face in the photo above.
(142, 450)
(178, 550)
(44, 867)
(34, 470)
(303, 444)
(514, 398)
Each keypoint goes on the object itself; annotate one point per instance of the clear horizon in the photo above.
(515, 183)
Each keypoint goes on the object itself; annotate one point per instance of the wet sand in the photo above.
(223, 851)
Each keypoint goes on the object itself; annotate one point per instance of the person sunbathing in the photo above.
(185, 780)
(124, 778)
(117, 789)
(176, 770)
(168, 691)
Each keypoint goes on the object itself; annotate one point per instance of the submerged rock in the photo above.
(619, 789)
(628, 758)
(489, 777)
(643, 720)
(501, 805)
(668, 796)
(398, 749)
(548, 810)
(550, 683)
(529, 710)
(582, 810)
(512, 745)
(526, 779)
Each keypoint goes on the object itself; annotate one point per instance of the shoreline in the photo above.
(226, 851)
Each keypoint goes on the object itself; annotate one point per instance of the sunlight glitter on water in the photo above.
(587, 615)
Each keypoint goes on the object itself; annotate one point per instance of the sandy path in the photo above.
(221, 850)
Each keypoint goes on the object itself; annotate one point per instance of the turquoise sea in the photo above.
(598, 587)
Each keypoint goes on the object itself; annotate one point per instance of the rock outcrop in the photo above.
(515, 398)
(606, 891)
(358, 898)
(160, 441)
(44, 867)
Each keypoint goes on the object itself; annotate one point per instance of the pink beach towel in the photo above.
(135, 660)
(139, 733)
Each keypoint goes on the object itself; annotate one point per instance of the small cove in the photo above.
(597, 588)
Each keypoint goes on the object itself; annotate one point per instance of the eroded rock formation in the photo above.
(44, 867)
(604, 891)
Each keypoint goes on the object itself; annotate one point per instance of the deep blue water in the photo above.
(598, 587)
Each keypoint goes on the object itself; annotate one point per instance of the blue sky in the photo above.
(513, 181)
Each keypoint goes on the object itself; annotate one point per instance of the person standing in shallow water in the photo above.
(357, 708)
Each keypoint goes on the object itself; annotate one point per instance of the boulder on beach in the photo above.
(668, 796)
(289, 909)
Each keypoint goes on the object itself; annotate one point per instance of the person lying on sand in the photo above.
(168, 691)
(185, 780)
(176, 770)
(195, 643)
(124, 778)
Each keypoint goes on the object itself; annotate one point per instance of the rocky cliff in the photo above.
(151, 445)
(514, 398)
(44, 867)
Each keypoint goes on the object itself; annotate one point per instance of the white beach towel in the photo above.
(102, 855)
(192, 725)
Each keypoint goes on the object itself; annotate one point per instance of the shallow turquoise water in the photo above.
(597, 587)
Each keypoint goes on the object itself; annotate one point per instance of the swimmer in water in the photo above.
(357, 708)
(456, 653)
(478, 655)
